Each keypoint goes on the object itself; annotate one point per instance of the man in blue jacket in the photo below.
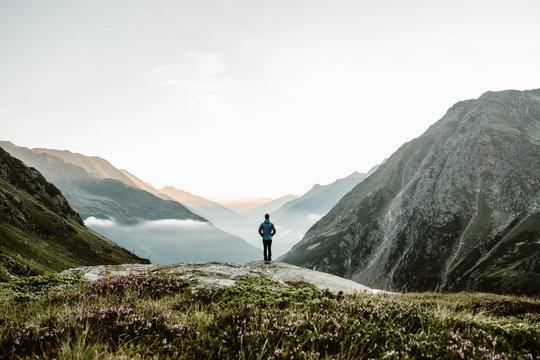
(267, 230)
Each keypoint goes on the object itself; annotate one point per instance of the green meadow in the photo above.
(165, 316)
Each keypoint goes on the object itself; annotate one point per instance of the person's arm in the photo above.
(261, 230)
(273, 230)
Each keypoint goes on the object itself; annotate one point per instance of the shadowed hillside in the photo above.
(40, 232)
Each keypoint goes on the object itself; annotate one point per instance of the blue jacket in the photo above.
(267, 230)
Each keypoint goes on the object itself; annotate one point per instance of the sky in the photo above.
(251, 98)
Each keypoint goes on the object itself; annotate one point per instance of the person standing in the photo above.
(267, 230)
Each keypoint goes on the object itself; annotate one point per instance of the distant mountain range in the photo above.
(40, 232)
(320, 199)
(116, 204)
(103, 193)
(456, 209)
(296, 216)
(92, 192)
(269, 208)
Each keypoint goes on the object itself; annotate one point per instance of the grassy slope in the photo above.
(160, 316)
(56, 242)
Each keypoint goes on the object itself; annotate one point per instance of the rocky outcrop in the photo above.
(456, 209)
(226, 274)
(14, 172)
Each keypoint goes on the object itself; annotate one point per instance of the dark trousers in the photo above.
(267, 244)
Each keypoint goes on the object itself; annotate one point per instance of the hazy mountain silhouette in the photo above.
(295, 217)
(145, 186)
(270, 207)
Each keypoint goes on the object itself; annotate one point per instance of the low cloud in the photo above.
(93, 221)
(170, 241)
(172, 224)
(164, 224)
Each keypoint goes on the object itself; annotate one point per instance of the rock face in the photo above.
(39, 231)
(456, 209)
(226, 274)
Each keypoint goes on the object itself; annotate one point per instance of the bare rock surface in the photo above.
(226, 274)
(291, 273)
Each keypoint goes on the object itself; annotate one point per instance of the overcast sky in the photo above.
(251, 98)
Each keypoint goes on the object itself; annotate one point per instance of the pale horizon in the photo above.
(238, 99)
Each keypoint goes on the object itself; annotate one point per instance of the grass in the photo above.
(164, 316)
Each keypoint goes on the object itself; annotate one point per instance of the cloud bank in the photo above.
(170, 241)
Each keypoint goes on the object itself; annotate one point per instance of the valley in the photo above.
(452, 210)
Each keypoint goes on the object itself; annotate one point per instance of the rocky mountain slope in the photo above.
(296, 216)
(456, 209)
(40, 232)
(164, 231)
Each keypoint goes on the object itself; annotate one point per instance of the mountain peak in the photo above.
(454, 209)
(355, 174)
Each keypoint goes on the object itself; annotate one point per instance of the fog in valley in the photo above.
(172, 241)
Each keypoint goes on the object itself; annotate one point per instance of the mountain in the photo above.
(94, 165)
(296, 216)
(145, 186)
(244, 205)
(269, 207)
(320, 199)
(216, 213)
(92, 194)
(165, 231)
(456, 209)
(40, 232)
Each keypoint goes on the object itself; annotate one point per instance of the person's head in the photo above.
(266, 216)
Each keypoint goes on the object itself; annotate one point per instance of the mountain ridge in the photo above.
(467, 187)
(40, 232)
(162, 230)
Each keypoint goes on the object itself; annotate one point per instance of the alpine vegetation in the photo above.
(169, 316)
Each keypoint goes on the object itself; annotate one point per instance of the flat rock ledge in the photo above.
(226, 274)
